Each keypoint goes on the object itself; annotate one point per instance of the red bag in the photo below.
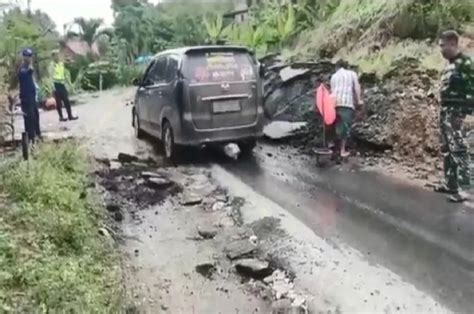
(325, 105)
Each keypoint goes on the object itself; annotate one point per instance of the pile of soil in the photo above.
(399, 120)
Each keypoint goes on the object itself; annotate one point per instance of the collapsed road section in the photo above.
(186, 247)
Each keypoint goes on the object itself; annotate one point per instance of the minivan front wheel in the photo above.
(169, 147)
(136, 125)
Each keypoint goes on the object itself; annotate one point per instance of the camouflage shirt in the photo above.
(457, 83)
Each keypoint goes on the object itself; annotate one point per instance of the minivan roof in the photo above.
(185, 50)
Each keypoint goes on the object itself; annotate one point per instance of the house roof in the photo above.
(80, 47)
(236, 12)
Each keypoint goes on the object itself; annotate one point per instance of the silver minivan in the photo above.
(197, 96)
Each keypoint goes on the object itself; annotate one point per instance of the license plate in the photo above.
(225, 106)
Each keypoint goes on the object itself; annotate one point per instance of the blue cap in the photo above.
(27, 52)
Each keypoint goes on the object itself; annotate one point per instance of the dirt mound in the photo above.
(400, 115)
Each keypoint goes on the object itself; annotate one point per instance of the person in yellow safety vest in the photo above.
(57, 72)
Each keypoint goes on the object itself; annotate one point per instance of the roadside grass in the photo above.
(380, 62)
(52, 258)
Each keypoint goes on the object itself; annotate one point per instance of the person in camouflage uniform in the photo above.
(457, 96)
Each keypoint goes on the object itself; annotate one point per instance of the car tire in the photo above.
(247, 147)
(167, 138)
(136, 125)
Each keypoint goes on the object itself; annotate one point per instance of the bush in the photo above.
(51, 256)
(357, 24)
(427, 19)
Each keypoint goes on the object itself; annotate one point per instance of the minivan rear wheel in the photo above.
(169, 147)
(247, 147)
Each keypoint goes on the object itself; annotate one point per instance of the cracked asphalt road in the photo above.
(357, 241)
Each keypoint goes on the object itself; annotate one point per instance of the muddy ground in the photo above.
(204, 237)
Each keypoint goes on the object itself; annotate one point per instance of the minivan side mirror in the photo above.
(179, 75)
(136, 82)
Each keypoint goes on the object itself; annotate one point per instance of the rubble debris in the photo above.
(158, 183)
(252, 267)
(288, 73)
(217, 206)
(275, 276)
(278, 130)
(127, 158)
(285, 306)
(208, 232)
(207, 269)
(191, 199)
(118, 216)
(150, 174)
(112, 207)
(239, 249)
(114, 165)
(126, 185)
(104, 161)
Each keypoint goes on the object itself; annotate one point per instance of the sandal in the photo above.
(458, 198)
(443, 188)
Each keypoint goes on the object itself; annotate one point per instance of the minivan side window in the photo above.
(172, 69)
(146, 77)
(157, 74)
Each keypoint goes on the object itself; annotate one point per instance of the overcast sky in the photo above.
(64, 11)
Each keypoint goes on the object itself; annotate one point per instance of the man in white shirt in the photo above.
(346, 92)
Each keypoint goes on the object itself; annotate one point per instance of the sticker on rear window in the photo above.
(218, 67)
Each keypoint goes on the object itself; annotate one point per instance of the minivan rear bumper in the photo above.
(190, 136)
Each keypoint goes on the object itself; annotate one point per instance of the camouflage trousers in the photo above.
(455, 149)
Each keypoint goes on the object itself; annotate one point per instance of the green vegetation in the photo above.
(52, 257)
(373, 34)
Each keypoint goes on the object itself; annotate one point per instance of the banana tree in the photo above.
(286, 25)
(257, 38)
(214, 26)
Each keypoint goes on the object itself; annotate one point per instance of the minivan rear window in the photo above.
(209, 67)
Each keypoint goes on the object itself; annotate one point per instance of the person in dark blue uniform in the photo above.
(28, 95)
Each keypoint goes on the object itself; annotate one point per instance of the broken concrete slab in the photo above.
(217, 206)
(275, 276)
(114, 165)
(206, 269)
(150, 174)
(239, 248)
(191, 199)
(126, 158)
(289, 73)
(253, 267)
(282, 129)
(158, 183)
(208, 232)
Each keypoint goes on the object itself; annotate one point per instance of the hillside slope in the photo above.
(395, 44)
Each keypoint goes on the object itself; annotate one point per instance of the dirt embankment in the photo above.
(398, 121)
